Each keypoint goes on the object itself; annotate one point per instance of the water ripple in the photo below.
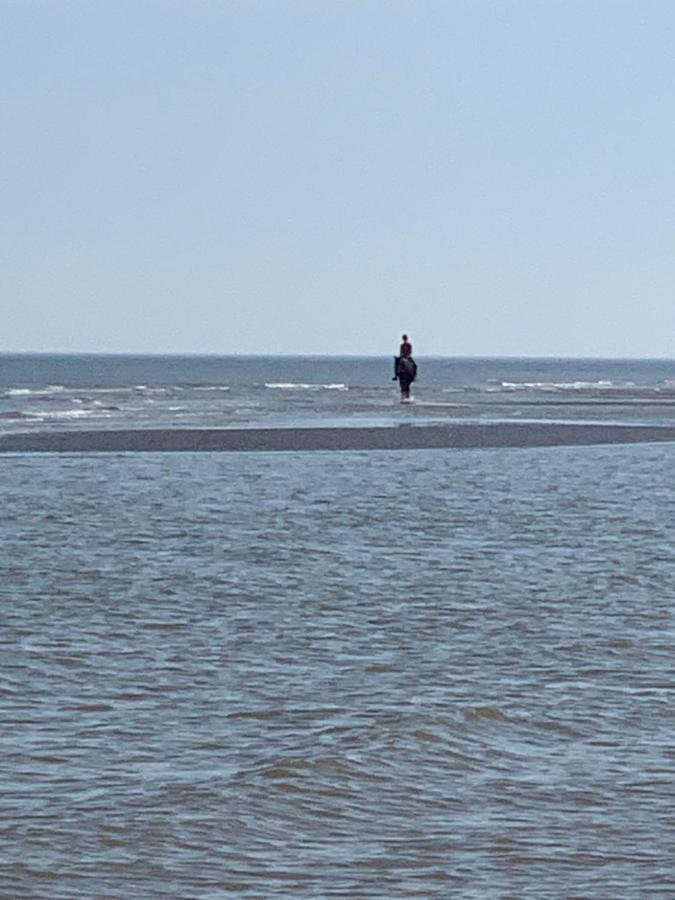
(346, 675)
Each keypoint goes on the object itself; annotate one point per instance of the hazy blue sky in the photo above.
(495, 178)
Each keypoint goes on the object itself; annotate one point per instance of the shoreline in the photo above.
(401, 437)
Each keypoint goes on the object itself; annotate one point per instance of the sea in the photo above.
(359, 674)
(98, 391)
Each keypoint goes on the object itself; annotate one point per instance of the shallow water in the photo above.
(387, 674)
(39, 392)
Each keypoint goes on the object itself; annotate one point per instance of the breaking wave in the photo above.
(557, 386)
(295, 386)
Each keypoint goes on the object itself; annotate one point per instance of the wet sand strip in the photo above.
(402, 437)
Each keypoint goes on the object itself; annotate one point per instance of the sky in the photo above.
(494, 177)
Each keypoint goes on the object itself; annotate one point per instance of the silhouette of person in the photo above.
(405, 367)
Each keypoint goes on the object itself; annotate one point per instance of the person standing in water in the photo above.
(405, 367)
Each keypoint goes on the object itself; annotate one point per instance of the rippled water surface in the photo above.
(432, 673)
(39, 392)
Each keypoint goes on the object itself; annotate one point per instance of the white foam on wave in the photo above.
(100, 405)
(126, 390)
(78, 413)
(35, 392)
(556, 386)
(297, 386)
(148, 391)
(100, 390)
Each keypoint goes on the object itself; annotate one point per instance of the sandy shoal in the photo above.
(402, 437)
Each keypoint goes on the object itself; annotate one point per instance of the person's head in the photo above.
(404, 337)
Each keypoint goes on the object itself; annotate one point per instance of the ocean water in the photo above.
(429, 673)
(38, 392)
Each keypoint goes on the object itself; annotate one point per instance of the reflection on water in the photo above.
(375, 674)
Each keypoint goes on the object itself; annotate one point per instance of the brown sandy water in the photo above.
(357, 674)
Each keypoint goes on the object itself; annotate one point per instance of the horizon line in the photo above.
(185, 354)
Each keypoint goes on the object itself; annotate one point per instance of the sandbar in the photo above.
(401, 437)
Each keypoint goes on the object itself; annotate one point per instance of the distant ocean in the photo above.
(45, 391)
(379, 674)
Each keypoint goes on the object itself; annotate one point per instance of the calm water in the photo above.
(38, 392)
(427, 673)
